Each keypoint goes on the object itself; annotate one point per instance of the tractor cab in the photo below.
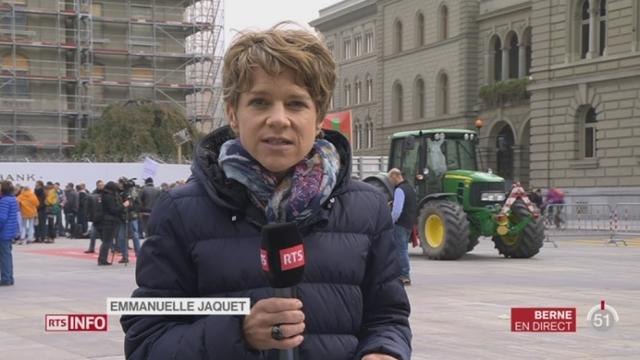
(425, 156)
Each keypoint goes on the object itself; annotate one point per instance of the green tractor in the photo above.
(457, 203)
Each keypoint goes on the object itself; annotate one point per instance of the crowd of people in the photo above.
(113, 212)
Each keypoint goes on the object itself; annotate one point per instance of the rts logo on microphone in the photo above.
(291, 258)
(264, 259)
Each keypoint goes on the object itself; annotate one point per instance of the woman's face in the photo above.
(275, 120)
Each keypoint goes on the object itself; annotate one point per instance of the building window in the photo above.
(358, 136)
(585, 29)
(527, 51)
(419, 99)
(331, 101)
(420, 30)
(443, 94)
(7, 22)
(15, 87)
(347, 94)
(513, 55)
(602, 33)
(96, 9)
(18, 64)
(369, 90)
(142, 74)
(369, 134)
(494, 61)
(368, 42)
(396, 107)
(358, 91)
(332, 50)
(358, 45)
(347, 49)
(443, 23)
(397, 36)
(589, 137)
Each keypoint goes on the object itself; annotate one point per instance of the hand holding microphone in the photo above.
(268, 313)
(278, 323)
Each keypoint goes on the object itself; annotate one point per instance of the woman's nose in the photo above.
(278, 115)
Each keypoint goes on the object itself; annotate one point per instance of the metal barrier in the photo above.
(627, 222)
(581, 221)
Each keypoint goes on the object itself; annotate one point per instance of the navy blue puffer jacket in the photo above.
(205, 242)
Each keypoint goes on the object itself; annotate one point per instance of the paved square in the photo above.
(460, 309)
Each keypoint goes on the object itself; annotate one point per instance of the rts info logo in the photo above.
(76, 322)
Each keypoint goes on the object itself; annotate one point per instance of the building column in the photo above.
(505, 63)
(522, 59)
(488, 65)
(592, 29)
(517, 162)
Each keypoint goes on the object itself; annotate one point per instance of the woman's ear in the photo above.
(233, 120)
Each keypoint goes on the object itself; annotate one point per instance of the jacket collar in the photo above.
(232, 195)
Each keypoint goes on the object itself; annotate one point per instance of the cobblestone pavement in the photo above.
(460, 309)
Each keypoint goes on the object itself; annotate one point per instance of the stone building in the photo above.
(64, 62)
(557, 84)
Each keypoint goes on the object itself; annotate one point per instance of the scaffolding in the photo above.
(63, 62)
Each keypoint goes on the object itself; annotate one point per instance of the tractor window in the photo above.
(436, 157)
(450, 154)
(405, 157)
(460, 154)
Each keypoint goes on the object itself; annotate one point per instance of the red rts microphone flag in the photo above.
(282, 254)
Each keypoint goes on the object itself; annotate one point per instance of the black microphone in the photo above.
(282, 258)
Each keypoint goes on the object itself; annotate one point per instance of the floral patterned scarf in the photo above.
(295, 197)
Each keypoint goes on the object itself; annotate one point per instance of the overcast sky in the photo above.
(261, 14)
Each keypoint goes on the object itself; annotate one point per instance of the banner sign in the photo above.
(339, 121)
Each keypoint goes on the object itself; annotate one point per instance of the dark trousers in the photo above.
(108, 233)
(51, 226)
(70, 222)
(144, 222)
(41, 226)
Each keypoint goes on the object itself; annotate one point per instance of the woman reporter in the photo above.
(272, 164)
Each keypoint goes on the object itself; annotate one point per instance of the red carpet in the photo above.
(77, 253)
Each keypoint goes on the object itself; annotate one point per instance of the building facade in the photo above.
(556, 84)
(64, 61)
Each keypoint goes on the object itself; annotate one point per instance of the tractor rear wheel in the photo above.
(528, 242)
(444, 230)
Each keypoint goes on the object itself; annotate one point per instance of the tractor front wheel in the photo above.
(528, 242)
(444, 230)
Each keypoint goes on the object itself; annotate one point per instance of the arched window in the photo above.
(358, 138)
(589, 119)
(369, 89)
(496, 58)
(397, 36)
(347, 94)
(443, 94)
(602, 33)
(396, 106)
(585, 29)
(369, 133)
(418, 100)
(513, 55)
(420, 29)
(443, 23)
(358, 91)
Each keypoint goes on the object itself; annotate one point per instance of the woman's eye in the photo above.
(257, 102)
(298, 104)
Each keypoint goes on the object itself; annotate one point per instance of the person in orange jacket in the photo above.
(28, 202)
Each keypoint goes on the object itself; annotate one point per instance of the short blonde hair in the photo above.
(274, 51)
